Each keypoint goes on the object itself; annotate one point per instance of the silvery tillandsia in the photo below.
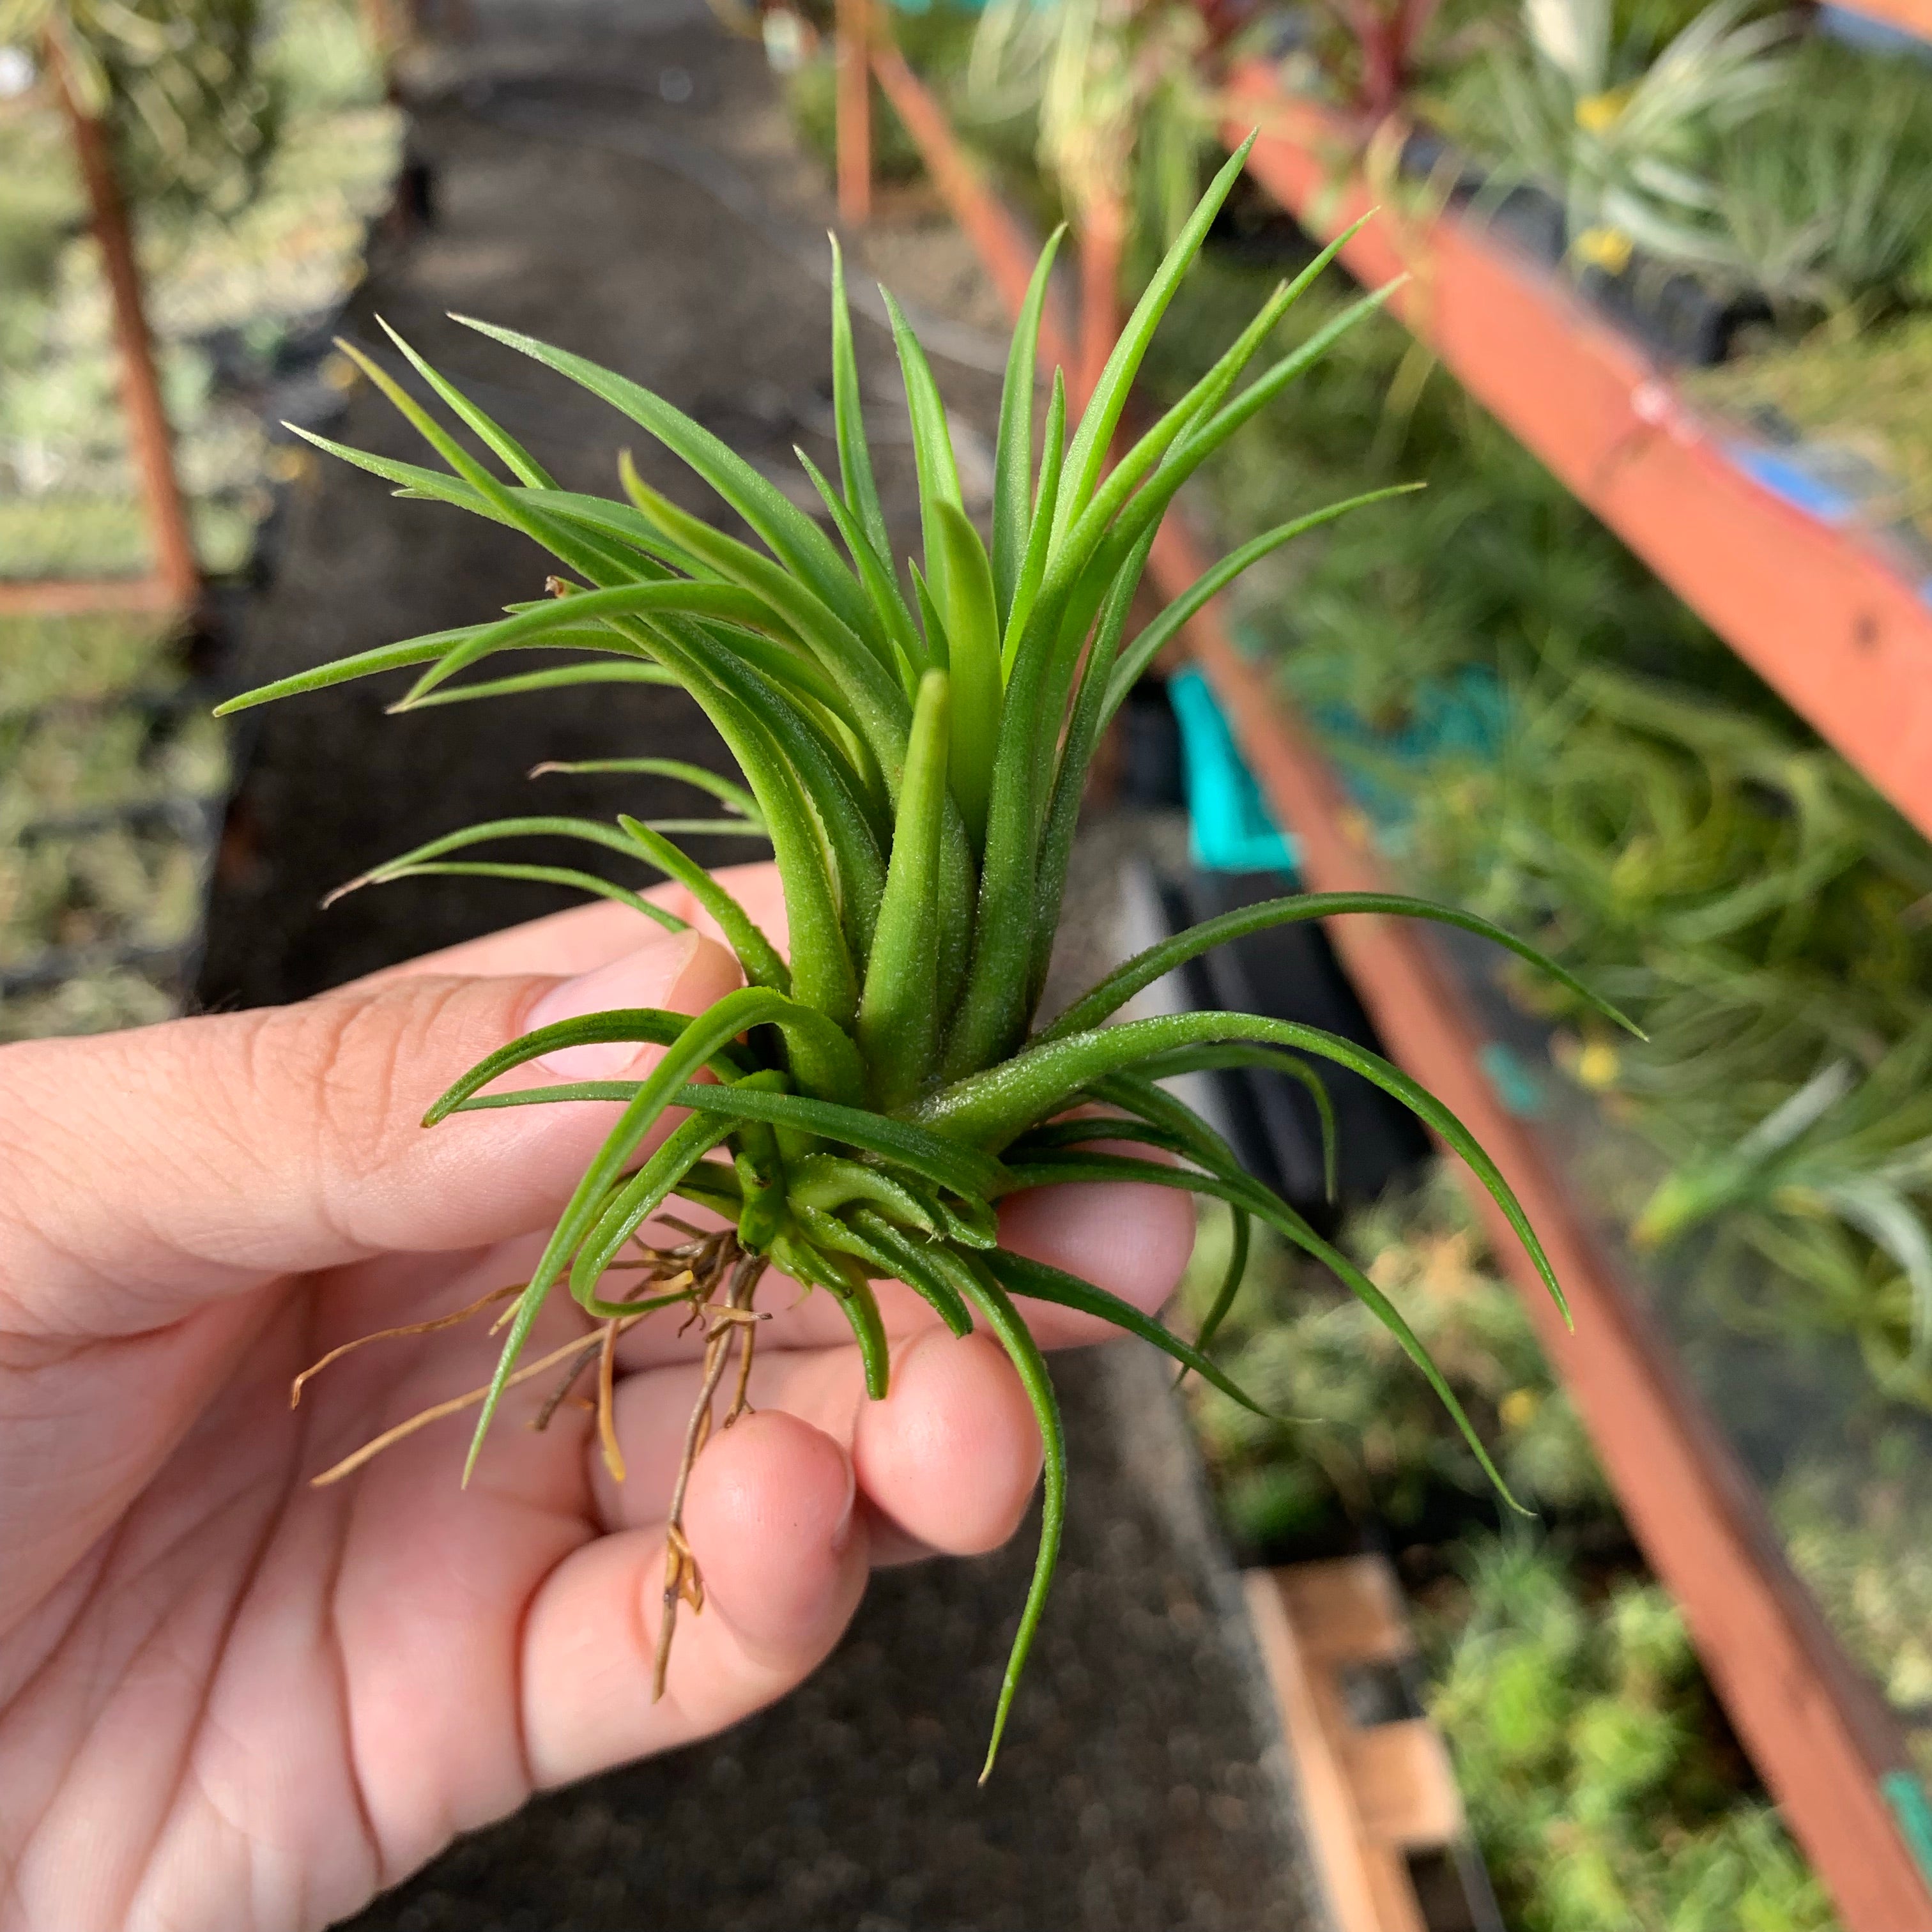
(915, 750)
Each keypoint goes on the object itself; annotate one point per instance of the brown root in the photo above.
(430, 1327)
(560, 1394)
(735, 1318)
(694, 1270)
(437, 1411)
(607, 1426)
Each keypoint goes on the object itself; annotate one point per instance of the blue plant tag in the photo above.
(1230, 829)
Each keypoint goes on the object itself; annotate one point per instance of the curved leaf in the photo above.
(1013, 1335)
(1157, 961)
(990, 1108)
(1039, 1281)
(760, 958)
(1251, 1197)
(965, 1171)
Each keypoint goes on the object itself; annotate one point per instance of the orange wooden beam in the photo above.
(72, 597)
(147, 430)
(1909, 16)
(853, 105)
(1825, 616)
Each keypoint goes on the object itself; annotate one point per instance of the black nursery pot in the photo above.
(1673, 314)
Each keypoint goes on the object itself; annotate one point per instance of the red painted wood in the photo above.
(1909, 16)
(853, 103)
(70, 597)
(1823, 615)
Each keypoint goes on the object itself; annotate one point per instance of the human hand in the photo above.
(229, 1699)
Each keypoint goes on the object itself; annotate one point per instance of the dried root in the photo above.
(735, 1319)
(693, 1272)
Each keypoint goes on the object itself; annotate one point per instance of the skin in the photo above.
(230, 1699)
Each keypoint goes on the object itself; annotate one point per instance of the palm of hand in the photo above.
(228, 1698)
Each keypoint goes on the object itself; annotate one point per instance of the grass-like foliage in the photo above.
(917, 763)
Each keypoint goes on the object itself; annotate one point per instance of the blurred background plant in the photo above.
(192, 115)
(1116, 97)
(233, 271)
(1826, 196)
(1602, 1784)
(1540, 730)
(1600, 1780)
(1627, 137)
(254, 148)
(1362, 1448)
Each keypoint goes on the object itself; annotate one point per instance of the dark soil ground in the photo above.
(581, 152)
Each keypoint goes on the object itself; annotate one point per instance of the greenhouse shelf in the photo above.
(1839, 625)
(1827, 1748)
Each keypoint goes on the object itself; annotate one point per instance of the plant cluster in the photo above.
(1591, 1756)
(1722, 141)
(1864, 1548)
(1345, 1441)
(1626, 138)
(1585, 1742)
(916, 751)
(105, 774)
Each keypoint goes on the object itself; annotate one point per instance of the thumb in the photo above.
(149, 1170)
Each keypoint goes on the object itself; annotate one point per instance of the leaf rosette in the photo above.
(915, 750)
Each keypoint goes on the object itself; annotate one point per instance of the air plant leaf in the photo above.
(973, 663)
(916, 751)
(898, 1011)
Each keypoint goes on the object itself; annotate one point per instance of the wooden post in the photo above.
(1103, 239)
(853, 31)
(174, 564)
(1005, 249)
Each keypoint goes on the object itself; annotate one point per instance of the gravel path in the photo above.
(671, 236)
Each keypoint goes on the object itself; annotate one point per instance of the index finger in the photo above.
(584, 937)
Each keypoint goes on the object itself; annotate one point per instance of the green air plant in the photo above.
(1831, 1185)
(917, 766)
(1115, 92)
(1591, 1758)
(1827, 197)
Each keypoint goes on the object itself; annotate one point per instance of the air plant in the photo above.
(1628, 143)
(917, 764)
(1592, 1758)
(1116, 94)
(1832, 1185)
(1828, 199)
(1543, 733)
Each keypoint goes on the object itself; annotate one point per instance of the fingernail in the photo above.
(651, 976)
(841, 1531)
